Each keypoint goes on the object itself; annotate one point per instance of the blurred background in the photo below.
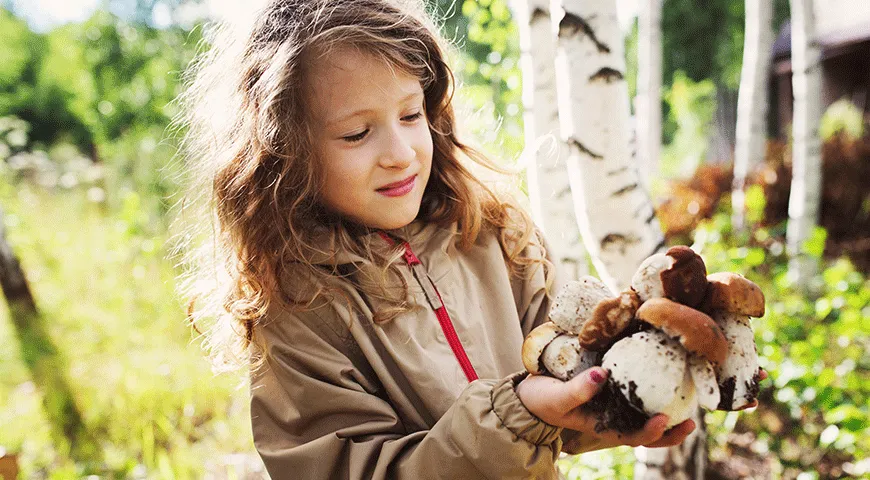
(100, 375)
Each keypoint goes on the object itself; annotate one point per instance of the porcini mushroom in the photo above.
(648, 373)
(739, 374)
(733, 293)
(678, 274)
(576, 301)
(695, 330)
(564, 358)
(609, 318)
(535, 343)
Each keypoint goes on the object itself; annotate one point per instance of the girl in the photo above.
(380, 291)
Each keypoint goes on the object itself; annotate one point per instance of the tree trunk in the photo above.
(803, 205)
(614, 211)
(649, 87)
(547, 172)
(752, 100)
(42, 358)
(724, 126)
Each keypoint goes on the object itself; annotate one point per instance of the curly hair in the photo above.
(248, 151)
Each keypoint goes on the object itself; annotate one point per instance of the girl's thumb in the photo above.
(584, 386)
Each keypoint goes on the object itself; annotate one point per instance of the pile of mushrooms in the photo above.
(676, 339)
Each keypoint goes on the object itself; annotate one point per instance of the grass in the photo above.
(106, 293)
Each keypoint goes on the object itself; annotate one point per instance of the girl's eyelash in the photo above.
(356, 138)
(359, 136)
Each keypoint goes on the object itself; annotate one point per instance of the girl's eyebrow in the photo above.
(410, 96)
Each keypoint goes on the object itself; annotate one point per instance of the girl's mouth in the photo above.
(399, 188)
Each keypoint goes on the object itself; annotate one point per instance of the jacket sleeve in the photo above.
(315, 415)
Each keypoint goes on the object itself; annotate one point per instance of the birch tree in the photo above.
(803, 205)
(613, 210)
(547, 171)
(648, 102)
(752, 100)
(616, 217)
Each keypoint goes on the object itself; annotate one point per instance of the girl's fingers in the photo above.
(652, 431)
(582, 388)
(674, 436)
(762, 374)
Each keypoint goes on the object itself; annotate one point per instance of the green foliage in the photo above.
(815, 410)
(692, 105)
(842, 117)
(488, 70)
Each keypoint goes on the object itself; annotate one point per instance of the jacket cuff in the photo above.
(517, 418)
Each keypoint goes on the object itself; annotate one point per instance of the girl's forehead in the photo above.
(346, 80)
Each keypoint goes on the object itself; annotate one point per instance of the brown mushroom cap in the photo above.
(609, 319)
(733, 293)
(696, 331)
(535, 343)
(686, 281)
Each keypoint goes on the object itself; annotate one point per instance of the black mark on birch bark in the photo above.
(606, 74)
(617, 241)
(618, 171)
(659, 247)
(576, 143)
(539, 14)
(624, 190)
(572, 24)
(562, 193)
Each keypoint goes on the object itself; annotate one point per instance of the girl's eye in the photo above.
(356, 138)
(412, 117)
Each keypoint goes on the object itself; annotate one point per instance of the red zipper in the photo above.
(440, 310)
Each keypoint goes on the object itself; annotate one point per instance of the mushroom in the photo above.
(564, 358)
(648, 373)
(734, 293)
(549, 350)
(704, 377)
(695, 330)
(609, 318)
(678, 274)
(576, 301)
(535, 343)
(739, 374)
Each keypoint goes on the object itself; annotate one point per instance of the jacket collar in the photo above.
(422, 236)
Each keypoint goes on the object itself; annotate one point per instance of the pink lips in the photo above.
(399, 188)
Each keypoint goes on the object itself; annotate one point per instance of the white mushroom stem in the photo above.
(704, 378)
(646, 281)
(738, 375)
(564, 358)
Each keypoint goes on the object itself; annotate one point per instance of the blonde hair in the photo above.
(248, 152)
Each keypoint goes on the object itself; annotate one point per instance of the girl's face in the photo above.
(371, 137)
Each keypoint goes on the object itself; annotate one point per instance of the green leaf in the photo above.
(815, 245)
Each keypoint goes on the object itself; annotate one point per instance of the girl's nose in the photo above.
(398, 151)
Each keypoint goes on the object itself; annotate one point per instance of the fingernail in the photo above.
(596, 376)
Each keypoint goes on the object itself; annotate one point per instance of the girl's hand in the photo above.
(556, 402)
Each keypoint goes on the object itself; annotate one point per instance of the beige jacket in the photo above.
(342, 397)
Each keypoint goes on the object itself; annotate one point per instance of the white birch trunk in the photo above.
(648, 103)
(547, 173)
(614, 211)
(752, 100)
(803, 205)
